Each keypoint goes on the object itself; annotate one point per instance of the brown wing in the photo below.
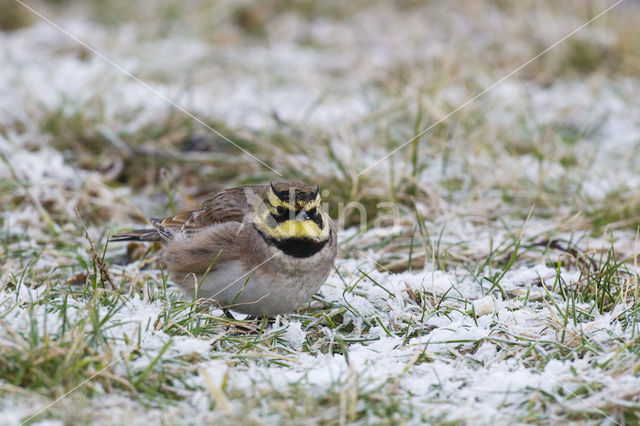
(229, 205)
(184, 223)
(163, 229)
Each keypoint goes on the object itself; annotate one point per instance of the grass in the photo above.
(52, 364)
(504, 290)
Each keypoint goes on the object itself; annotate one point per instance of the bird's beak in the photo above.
(302, 216)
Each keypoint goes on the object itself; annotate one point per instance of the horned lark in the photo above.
(256, 249)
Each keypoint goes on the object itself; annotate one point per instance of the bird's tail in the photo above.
(137, 235)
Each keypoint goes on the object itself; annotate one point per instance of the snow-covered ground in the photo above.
(504, 290)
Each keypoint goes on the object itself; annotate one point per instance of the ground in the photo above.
(487, 269)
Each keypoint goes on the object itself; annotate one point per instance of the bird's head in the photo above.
(292, 211)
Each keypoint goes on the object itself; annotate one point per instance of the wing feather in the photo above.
(229, 205)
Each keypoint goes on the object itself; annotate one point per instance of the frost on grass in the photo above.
(435, 356)
(469, 306)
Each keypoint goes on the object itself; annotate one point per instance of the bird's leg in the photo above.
(241, 328)
(260, 323)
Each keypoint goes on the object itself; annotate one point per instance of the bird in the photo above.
(261, 250)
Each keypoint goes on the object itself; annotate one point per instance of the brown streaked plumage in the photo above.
(258, 249)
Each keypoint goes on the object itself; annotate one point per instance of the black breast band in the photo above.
(296, 247)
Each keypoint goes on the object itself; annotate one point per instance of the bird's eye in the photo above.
(281, 210)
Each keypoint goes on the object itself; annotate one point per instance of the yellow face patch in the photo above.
(298, 229)
(270, 220)
(292, 228)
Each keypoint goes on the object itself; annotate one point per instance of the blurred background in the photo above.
(514, 251)
(319, 91)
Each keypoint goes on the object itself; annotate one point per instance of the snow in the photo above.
(460, 388)
(452, 363)
(465, 390)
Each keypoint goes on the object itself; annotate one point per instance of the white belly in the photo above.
(256, 293)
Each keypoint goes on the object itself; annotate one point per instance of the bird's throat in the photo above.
(296, 247)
